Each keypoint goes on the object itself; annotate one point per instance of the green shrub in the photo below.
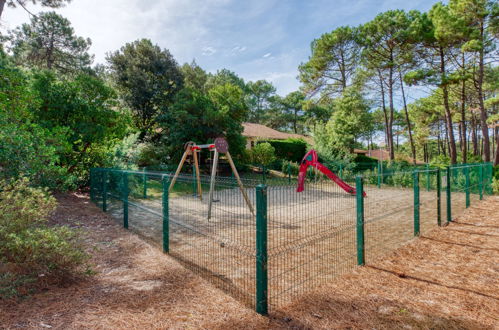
(263, 154)
(293, 167)
(495, 185)
(30, 250)
(289, 149)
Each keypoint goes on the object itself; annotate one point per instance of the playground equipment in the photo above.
(311, 159)
(220, 146)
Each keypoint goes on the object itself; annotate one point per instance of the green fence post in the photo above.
(261, 250)
(467, 187)
(289, 173)
(480, 181)
(166, 214)
(488, 180)
(428, 177)
(341, 171)
(104, 191)
(448, 191)
(379, 174)
(416, 202)
(144, 182)
(439, 197)
(92, 184)
(124, 191)
(264, 174)
(359, 185)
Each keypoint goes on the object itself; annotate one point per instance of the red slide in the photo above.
(311, 159)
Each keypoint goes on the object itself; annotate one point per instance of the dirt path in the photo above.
(447, 279)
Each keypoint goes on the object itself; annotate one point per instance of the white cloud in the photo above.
(238, 49)
(267, 55)
(208, 51)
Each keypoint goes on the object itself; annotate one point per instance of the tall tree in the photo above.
(49, 42)
(223, 77)
(259, 99)
(477, 16)
(194, 76)
(386, 42)
(201, 117)
(292, 106)
(84, 105)
(437, 42)
(147, 78)
(23, 3)
(335, 57)
(350, 121)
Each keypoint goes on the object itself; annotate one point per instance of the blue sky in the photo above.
(259, 39)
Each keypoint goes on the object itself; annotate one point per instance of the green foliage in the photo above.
(30, 249)
(334, 60)
(289, 149)
(196, 116)
(27, 148)
(148, 78)
(263, 154)
(290, 167)
(223, 77)
(259, 98)
(350, 121)
(495, 185)
(49, 42)
(194, 76)
(86, 108)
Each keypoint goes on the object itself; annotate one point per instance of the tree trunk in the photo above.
(483, 112)
(294, 122)
(496, 159)
(447, 144)
(464, 143)
(2, 5)
(385, 114)
(460, 131)
(390, 122)
(409, 128)
(438, 139)
(448, 114)
(474, 140)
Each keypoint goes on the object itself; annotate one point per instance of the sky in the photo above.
(257, 39)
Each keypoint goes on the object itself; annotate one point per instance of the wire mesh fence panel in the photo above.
(311, 237)
(221, 242)
(429, 200)
(458, 181)
(388, 213)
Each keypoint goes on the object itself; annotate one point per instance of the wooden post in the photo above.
(241, 187)
(198, 178)
(179, 168)
(212, 182)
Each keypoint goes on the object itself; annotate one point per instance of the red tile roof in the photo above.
(264, 132)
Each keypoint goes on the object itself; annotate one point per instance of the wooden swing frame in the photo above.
(193, 149)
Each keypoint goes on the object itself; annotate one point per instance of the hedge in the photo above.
(289, 149)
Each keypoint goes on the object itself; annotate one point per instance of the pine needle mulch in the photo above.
(448, 279)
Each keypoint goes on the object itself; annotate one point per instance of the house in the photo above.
(256, 132)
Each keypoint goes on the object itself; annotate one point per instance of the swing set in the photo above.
(219, 147)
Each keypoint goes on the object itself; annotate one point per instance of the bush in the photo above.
(495, 186)
(292, 167)
(289, 149)
(263, 154)
(30, 250)
(27, 148)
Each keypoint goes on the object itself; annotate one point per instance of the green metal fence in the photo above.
(293, 242)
